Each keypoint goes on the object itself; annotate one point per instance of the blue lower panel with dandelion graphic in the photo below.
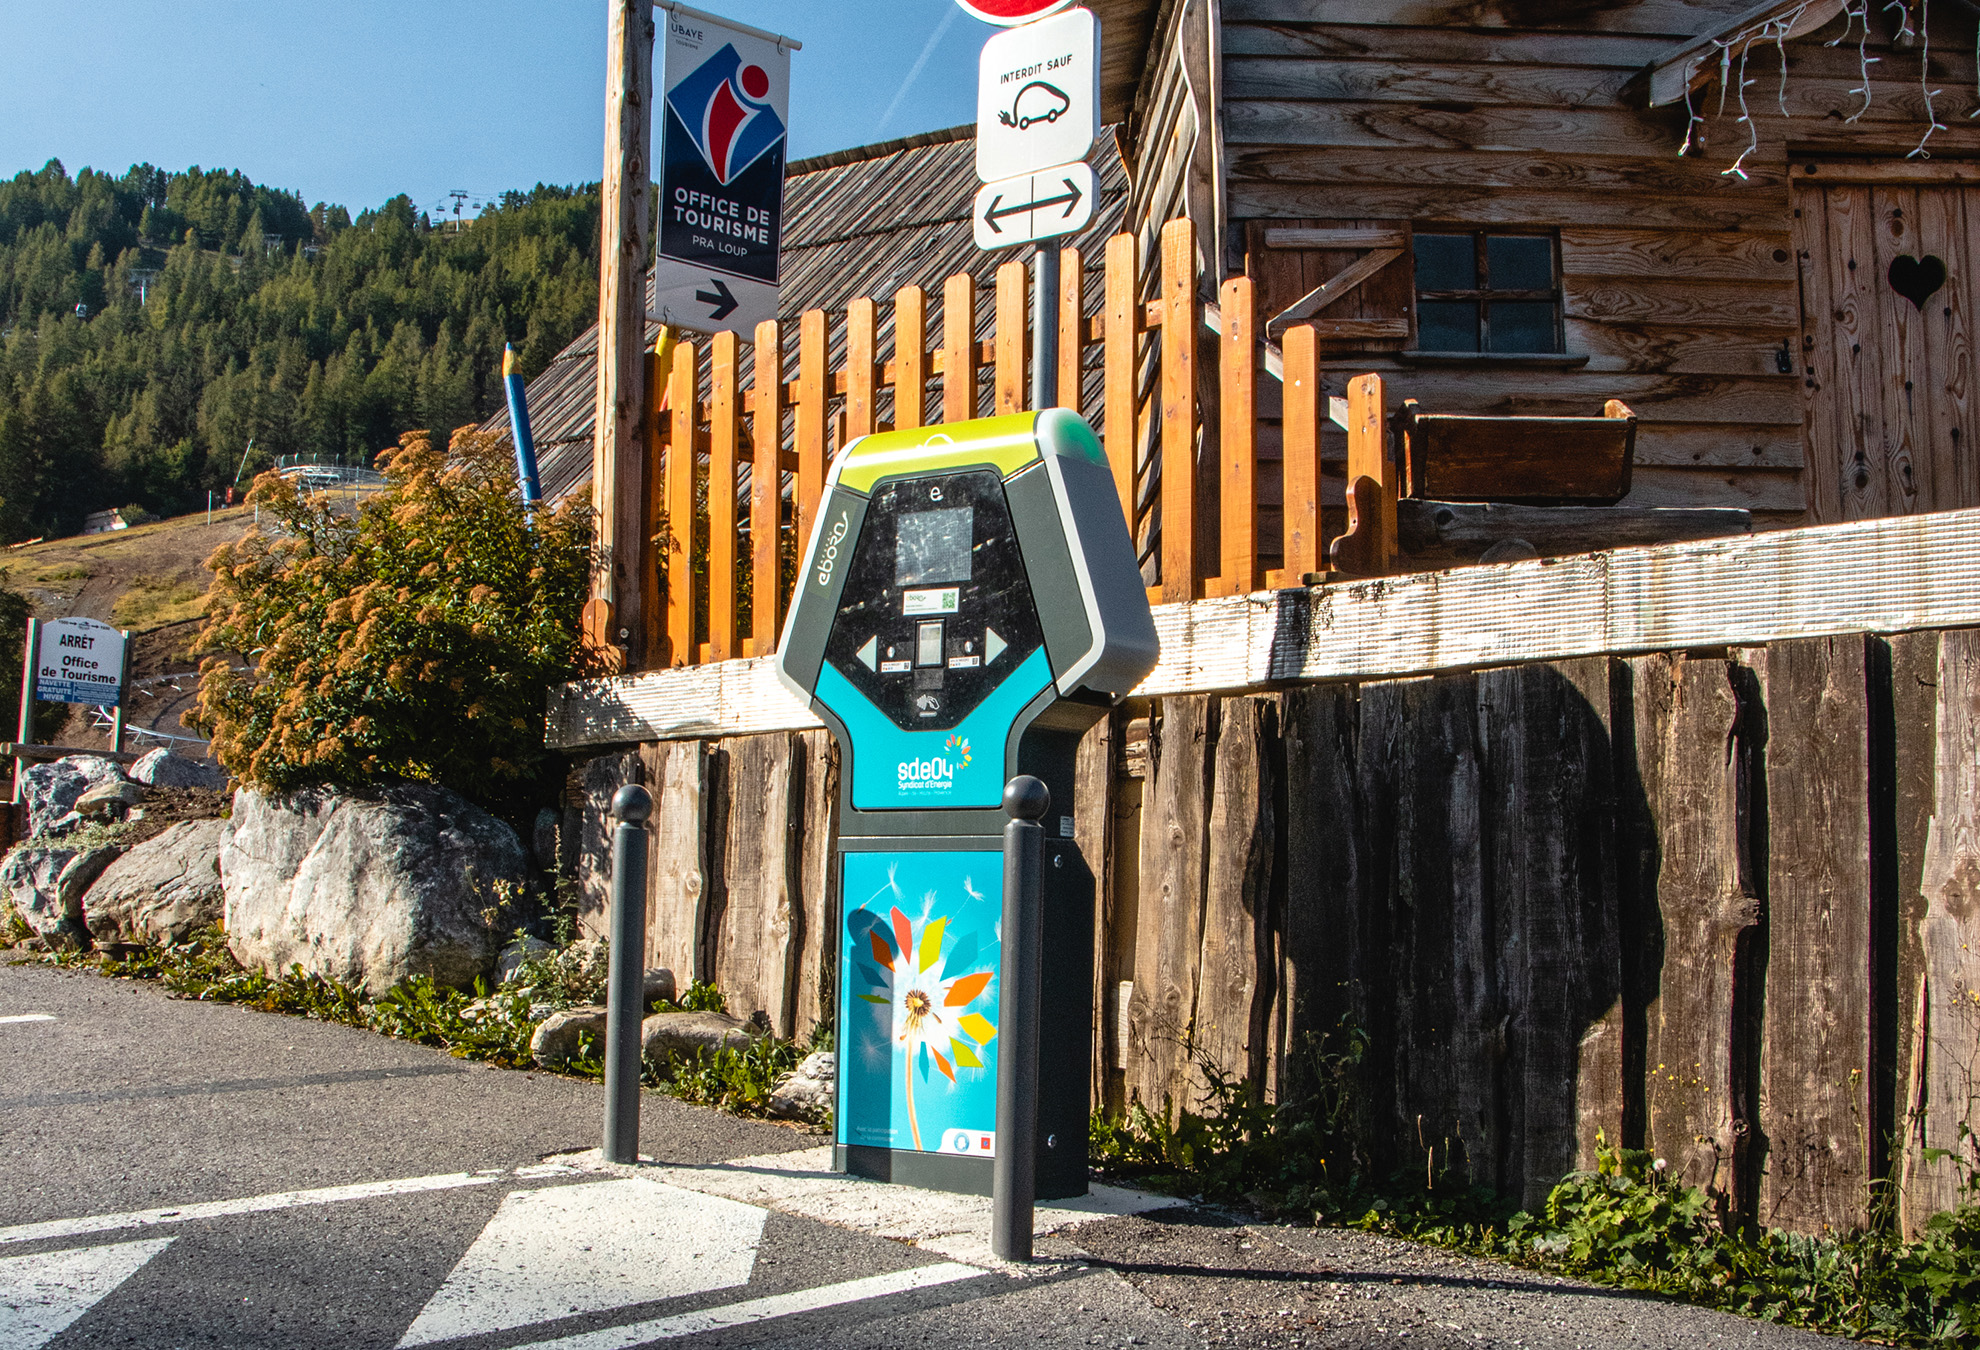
(918, 1002)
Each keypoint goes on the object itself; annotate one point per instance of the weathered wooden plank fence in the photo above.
(1716, 902)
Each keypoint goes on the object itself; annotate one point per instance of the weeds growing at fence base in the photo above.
(492, 1025)
(1627, 1223)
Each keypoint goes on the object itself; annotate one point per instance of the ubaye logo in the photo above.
(935, 776)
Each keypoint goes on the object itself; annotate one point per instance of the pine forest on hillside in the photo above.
(216, 312)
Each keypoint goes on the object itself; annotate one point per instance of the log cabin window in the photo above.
(1479, 291)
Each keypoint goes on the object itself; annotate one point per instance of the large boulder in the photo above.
(556, 1040)
(668, 1036)
(163, 769)
(53, 788)
(45, 885)
(162, 891)
(368, 888)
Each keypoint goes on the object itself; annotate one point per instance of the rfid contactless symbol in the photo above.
(1037, 102)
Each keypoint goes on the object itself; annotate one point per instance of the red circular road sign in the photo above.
(1011, 13)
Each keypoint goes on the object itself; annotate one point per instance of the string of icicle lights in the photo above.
(1734, 53)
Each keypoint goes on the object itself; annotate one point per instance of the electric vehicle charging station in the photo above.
(970, 606)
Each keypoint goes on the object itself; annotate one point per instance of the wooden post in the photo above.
(618, 466)
(910, 358)
(766, 496)
(1072, 328)
(1012, 326)
(1123, 325)
(1301, 462)
(1238, 378)
(861, 325)
(813, 380)
(959, 348)
(1369, 546)
(1179, 325)
(683, 400)
(28, 690)
(724, 451)
(654, 427)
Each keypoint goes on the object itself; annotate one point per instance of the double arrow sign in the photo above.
(1034, 206)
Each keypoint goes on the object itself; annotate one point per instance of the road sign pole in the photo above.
(123, 699)
(27, 704)
(1045, 327)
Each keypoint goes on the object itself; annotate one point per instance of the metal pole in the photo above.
(625, 999)
(1014, 1171)
(123, 698)
(1045, 328)
(28, 689)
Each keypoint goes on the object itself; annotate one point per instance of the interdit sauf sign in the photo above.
(79, 661)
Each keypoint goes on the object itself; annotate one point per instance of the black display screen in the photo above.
(937, 610)
(934, 546)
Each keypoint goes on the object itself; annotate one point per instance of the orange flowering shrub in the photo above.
(415, 638)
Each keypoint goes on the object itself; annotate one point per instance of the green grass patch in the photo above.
(490, 1025)
(153, 602)
(1626, 1223)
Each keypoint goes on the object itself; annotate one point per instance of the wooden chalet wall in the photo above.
(1679, 279)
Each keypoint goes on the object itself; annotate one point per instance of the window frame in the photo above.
(1485, 294)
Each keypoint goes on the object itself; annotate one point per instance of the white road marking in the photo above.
(804, 1184)
(761, 1309)
(571, 1250)
(220, 1209)
(27, 1017)
(41, 1295)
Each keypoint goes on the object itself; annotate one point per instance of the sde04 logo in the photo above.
(937, 773)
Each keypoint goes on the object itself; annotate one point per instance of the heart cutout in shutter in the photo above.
(1916, 279)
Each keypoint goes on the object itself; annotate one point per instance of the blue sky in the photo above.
(356, 100)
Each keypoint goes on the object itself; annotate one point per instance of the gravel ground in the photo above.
(1268, 1285)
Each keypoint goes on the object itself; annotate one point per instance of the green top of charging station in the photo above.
(955, 575)
(1009, 444)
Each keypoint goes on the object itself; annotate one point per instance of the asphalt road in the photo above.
(187, 1175)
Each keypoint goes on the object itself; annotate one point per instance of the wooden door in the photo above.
(1889, 365)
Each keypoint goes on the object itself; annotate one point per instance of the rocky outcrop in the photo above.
(367, 888)
(45, 885)
(163, 769)
(668, 1036)
(108, 801)
(807, 1092)
(556, 1041)
(53, 789)
(162, 891)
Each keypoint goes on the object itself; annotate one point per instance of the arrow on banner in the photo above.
(722, 303)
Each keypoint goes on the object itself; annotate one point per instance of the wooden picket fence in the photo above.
(1152, 396)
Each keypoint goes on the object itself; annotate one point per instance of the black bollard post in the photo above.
(625, 1000)
(1014, 1171)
